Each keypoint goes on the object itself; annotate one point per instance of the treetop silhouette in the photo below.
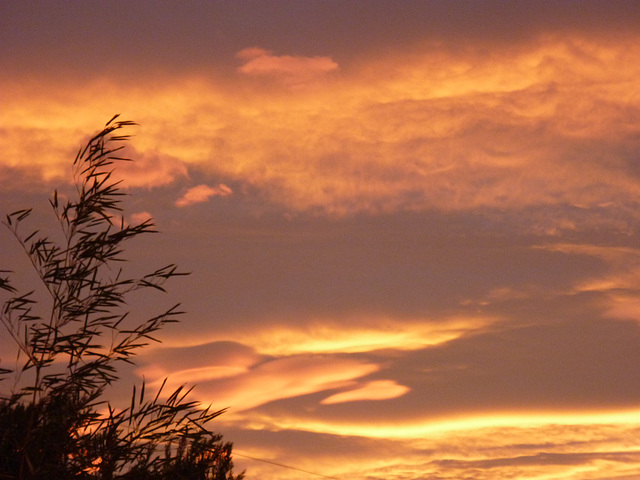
(73, 331)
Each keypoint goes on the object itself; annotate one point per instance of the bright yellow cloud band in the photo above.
(431, 428)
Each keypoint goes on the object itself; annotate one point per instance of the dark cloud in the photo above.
(545, 459)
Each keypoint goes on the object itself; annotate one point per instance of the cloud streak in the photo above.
(274, 379)
(376, 390)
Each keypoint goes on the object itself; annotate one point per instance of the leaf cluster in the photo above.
(55, 421)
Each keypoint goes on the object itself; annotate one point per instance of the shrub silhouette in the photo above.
(73, 332)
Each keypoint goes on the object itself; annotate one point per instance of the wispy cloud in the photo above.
(376, 390)
(358, 335)
(274, 379)
(140, 217)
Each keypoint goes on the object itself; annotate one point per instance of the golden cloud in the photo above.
(236, 385)
(553, 122)
(430, 427)
(535, 445)
(350, 335)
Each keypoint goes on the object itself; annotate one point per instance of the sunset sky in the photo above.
(413, 227)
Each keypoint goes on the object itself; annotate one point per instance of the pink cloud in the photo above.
(202, 193)
(141, 217)
(150, 169)
(288, 68)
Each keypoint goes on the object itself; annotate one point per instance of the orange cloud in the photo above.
(549, 123)
(202, 193)
(292, 70)
(432, 131)
(236, 385)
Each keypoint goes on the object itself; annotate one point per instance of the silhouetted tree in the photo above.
(71, 334)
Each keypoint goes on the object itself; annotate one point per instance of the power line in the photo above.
(235, 453)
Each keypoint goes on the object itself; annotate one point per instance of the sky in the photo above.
(412, 227)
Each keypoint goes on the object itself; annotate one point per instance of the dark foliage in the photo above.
(73, 331)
